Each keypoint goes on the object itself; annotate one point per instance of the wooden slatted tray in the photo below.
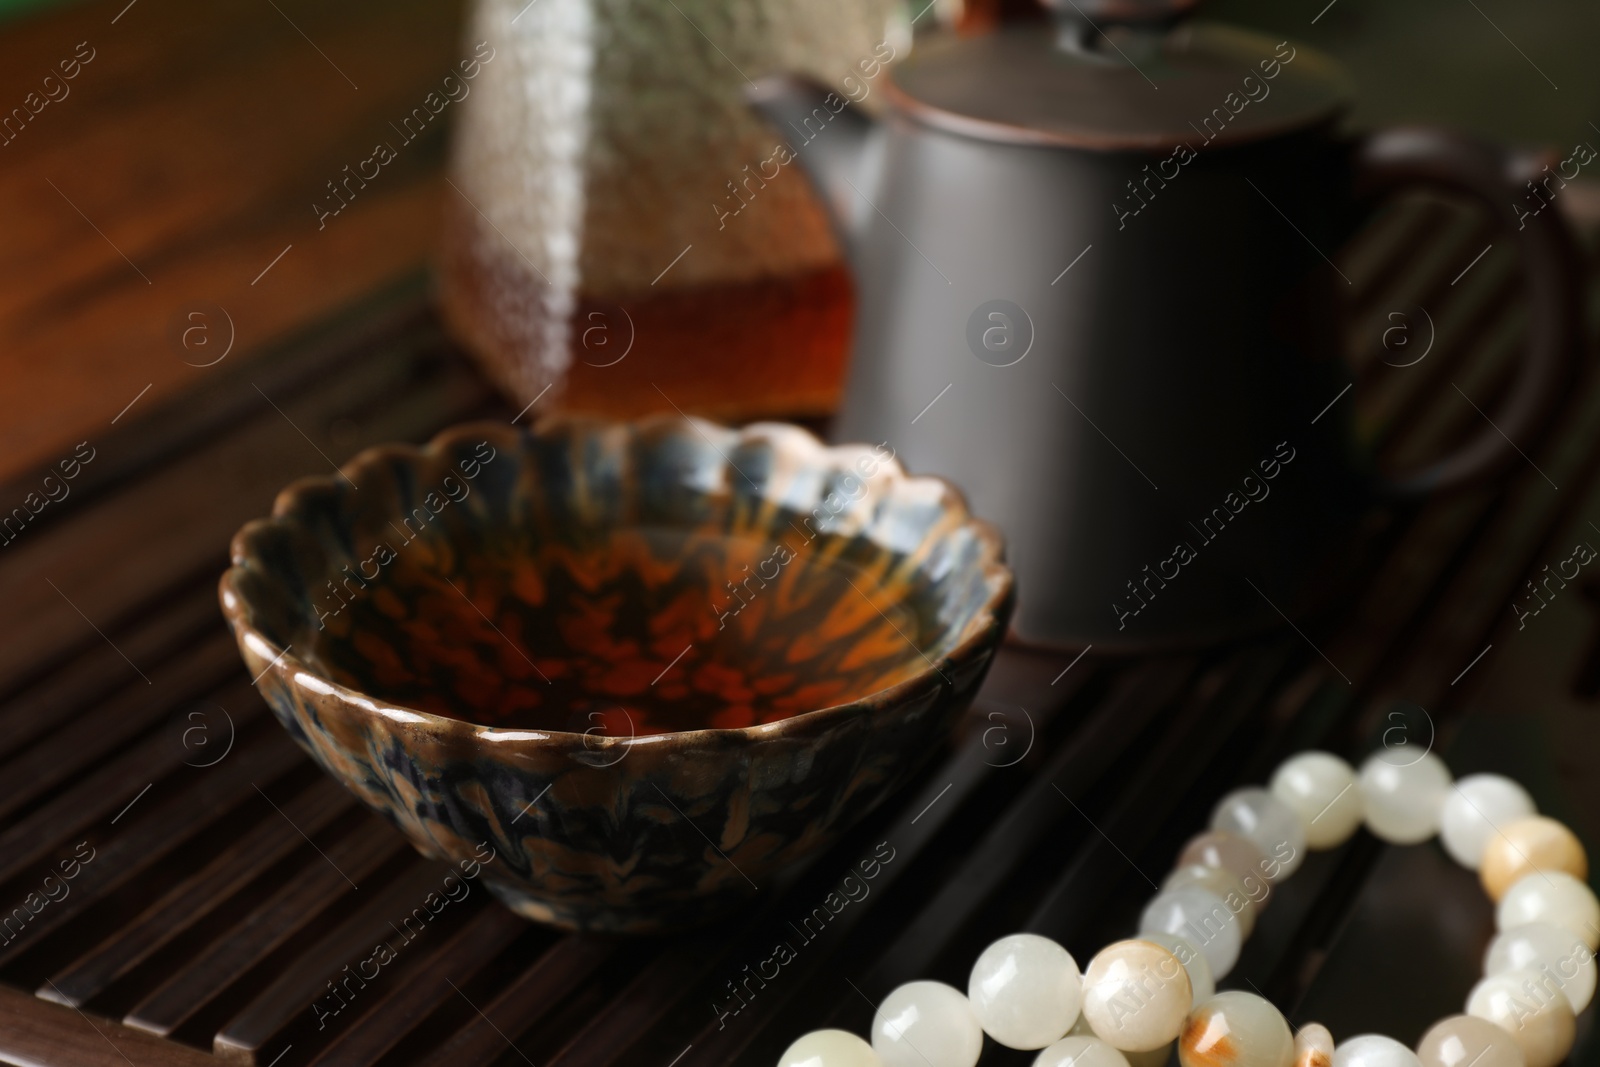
(221, 883)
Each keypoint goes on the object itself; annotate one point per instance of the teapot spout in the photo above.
(830, 138)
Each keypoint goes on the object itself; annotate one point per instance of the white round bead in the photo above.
(1477, 806)
(829, 1048)
(1218, 848)
(1079, 1051)
(1225, 884)
(1402, 794)
(1266, 822)
(1467, 1041)
(1373, 1050)
(1553, 897)
(1200, 917)
(1201, 984)
(1321, 789)
(1025, 991)
(1136, 995)
(1557, 954)
(1313, 1046)
(1539, 1020)
(926, 1024)
(1235, 1029)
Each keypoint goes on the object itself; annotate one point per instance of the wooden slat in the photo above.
(100, 670)
(530, 995)
(1151, 804)
(1432, 265)
(288, 1002)
(398, 1007)
(1409, 572)
(1385, 234)
(67, 751)
(638, 1006)
(104, 791)
(1539, 678)
(1522, 526)
(1074, 769)
(1407, 388)
(241, 862)
(1483, 377)
(320, 884)
(1419, 221)
(36, 1034)
(155, 828)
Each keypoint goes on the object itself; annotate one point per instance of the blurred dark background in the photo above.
(1445, 61)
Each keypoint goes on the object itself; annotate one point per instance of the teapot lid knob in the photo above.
(1080, 22)
(1120, 12)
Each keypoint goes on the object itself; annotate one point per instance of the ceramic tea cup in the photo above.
(649, 664)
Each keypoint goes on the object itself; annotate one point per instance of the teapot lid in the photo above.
(1110, 75)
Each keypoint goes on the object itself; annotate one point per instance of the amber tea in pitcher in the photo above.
(618, 236)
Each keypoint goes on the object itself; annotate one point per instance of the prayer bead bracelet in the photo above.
(1140, 996)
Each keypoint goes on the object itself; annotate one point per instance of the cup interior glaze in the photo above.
(648, 664)
(635, 630)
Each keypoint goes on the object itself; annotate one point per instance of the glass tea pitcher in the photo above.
(623, 233)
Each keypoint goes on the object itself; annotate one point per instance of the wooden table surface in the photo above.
(181, 163)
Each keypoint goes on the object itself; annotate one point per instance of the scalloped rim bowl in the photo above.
(589, 831)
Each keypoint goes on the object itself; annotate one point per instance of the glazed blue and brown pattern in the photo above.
(651, 664)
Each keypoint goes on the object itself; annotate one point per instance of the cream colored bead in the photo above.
(1136, 995)
(926, 1024)
(1266, 822)
(829, 1048)
(1523, 846)
(1373, 1050)
(1201, 984)
(1477, 806)
(1313, 1046)
(1235, 1029)
(1539, 1020)
(1080, 1051)
(1225, 884)
(1218, 848)
(1200, 917)
(1555, 898)
(1468, 1041)
(1556, 953)
(1321, 789)
(1403, 793)
(1025, 991)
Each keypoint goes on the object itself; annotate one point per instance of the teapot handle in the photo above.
(1410, 156)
